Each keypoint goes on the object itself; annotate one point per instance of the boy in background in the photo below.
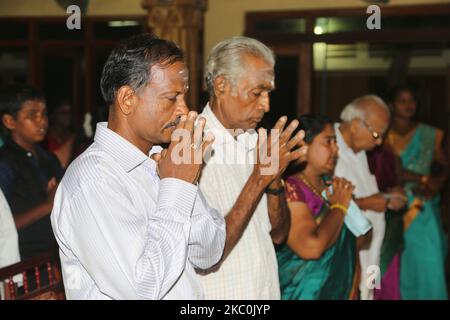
(28, 174)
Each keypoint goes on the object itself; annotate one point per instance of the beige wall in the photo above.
(224, 18)
(51, 8)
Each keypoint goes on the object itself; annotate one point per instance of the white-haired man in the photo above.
(364, 123)
(240, 75)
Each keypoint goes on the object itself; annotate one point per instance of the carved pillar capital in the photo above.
(181, 21)
(165, 15)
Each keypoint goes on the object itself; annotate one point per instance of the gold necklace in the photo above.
(310, 186)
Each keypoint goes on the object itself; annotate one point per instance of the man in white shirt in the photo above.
(364, 123)
(130, 226)
(240, 75)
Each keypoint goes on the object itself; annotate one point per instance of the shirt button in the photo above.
(29, 154)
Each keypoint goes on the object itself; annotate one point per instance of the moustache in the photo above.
(173, 123)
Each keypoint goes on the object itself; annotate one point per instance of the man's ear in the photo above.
(9, 122)
(221, 85)
(126, 99)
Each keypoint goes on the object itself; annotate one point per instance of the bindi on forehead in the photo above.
(184, 74)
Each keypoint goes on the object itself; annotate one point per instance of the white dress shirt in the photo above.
(9, 242)
(355, 168)
(125, 234)
(250, 271)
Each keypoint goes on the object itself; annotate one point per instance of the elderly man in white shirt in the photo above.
(240, 75)
(130, 226)
(364, 123)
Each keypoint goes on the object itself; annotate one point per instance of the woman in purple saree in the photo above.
(318, 260)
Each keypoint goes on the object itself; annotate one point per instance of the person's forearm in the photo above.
(376, 202)
(24, 219)
(239, 216)
(440, 179)
(330, 228)
(363, 241)
(279, 215)
(408, 176)
(363, 203)
(315, 242)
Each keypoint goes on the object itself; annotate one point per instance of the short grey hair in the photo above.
(355, 110)
(227, 59)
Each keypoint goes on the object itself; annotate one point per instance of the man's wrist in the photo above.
(276, 188)
(276, 184)
(387, 199)
(258, 181)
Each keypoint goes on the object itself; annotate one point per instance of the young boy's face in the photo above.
(31, 122)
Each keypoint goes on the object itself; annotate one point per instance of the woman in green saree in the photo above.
(318, 260)
(425, 170)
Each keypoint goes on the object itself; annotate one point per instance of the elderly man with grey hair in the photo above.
(364, 123)
(239, 76)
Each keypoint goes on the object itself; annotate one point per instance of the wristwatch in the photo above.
(276, 192)
(387, 197)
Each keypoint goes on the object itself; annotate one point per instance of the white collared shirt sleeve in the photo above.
(99, 221)
(207, 238)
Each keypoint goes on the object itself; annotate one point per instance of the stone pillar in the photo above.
(181, 21)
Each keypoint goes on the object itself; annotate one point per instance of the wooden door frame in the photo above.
(88, 43)
(300, 44)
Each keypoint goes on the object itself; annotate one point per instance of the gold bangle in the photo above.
(340, 207)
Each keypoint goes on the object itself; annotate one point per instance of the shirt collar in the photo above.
(125, 153)
(18, 150)
(222, 135)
